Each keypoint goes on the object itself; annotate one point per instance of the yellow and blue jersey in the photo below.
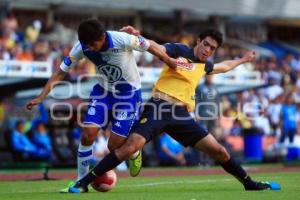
(182, 82)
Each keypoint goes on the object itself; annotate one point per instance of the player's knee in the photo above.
(112, 146)
(88, 137)
(132, 145)
(222, 155)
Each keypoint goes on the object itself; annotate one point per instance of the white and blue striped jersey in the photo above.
(115, 66)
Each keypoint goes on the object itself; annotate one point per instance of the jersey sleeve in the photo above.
(137, 43)
(209, 67)
(176, 50)
(72, 59)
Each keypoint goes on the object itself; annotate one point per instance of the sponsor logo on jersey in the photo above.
(112, 72)
(185, 65)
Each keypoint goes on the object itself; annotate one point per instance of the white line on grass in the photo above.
(178, 182)
(183, 182)
(149, 184)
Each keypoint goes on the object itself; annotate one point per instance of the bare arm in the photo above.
(228, 65)
(155, 49)
(54, 79)
(160, 51)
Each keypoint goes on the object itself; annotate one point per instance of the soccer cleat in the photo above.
(77, 190)
(135, 165)
(72, 189)
(66, 190)
(274, 186)
(263, 186)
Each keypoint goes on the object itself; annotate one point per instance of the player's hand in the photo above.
(130, 30)
(250, 56)
(33, 103)
(172, 63)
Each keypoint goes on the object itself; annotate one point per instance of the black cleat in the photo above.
(262, 186)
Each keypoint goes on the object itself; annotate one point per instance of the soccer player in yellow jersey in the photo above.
(168, 110)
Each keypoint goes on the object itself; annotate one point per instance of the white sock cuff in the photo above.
(84, 148)
(133, 156)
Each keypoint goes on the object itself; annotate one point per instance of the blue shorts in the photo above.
(121, 109)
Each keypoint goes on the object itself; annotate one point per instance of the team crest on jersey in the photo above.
(112, 72)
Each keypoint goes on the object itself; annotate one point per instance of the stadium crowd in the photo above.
(277, 114)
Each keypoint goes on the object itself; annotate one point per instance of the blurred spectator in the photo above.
(226, 122)
(10, 24)
(32, 32)
(273, 112)
(2, 113)
(207, 101)
(22, 144)
(289, 121)
(171, 153)
(41, 138)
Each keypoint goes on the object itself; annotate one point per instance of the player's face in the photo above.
(97, 45)
(205, 48)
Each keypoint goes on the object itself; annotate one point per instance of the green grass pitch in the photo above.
(155, 188)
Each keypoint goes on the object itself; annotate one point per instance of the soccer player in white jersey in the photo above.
(117, 96)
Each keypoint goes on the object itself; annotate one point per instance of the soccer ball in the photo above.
(105, 182)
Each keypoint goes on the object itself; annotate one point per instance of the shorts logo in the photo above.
(112, 72)
(92, 111)
(118, 124)
(122, 115)
(143, 121)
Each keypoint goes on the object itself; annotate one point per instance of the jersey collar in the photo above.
(108, 42)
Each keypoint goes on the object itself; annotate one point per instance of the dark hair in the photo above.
(213, 33)
(90, 31)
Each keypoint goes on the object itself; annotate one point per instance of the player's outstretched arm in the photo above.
(154, 48)
(160, 51)
(54, 79)
(130, 30)
(228, 65)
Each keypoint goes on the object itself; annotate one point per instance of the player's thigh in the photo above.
(115, 141)
(186, 131)
(99, 108)
(125, 112)
(149, 125)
